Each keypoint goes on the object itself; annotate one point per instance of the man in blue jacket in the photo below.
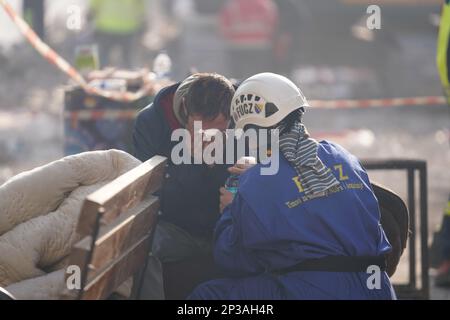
(190, 193)
(310, 231)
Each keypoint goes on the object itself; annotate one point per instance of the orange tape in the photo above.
(65, 67)
(55, 59)
(386, 103)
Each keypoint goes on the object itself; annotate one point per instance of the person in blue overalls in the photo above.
(311, 230)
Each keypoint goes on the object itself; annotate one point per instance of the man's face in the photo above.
(219, 123)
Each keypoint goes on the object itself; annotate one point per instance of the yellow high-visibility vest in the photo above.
(447, 209)
(443, 53)
(118, 17)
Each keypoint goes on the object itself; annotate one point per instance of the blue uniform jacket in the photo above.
(270, 225)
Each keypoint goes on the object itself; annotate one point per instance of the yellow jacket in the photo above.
(443, 53)
(118, 17)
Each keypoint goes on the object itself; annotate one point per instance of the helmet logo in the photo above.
(247, 104)
(258, 107)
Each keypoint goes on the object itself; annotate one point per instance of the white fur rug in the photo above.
(39, 211)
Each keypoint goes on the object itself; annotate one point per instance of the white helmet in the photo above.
(265, 99)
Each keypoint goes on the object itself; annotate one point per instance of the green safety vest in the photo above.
(118, 17)
(443, 53)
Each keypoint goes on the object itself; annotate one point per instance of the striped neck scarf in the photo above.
(301, 152)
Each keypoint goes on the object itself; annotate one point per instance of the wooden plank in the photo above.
(89, 212)
(106, 205)
(114, 239)
(124, 192)
(88, 215)
(78, 258)
(120, 270)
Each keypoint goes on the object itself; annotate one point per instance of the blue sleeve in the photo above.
(146, 134)
(230, 250)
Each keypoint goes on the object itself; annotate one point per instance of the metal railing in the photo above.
(411, 289)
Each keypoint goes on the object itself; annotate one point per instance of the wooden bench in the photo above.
(5, 295)
(116, 223)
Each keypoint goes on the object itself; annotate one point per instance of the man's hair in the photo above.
(209, 96)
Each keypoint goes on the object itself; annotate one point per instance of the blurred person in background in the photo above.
(118, 25)
(443, 62)
(33, 12)
(249, 28)
(208, 7)
(288, 36)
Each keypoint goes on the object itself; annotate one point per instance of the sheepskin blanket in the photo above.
(39, 211)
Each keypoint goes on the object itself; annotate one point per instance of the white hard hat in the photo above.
(264, 100)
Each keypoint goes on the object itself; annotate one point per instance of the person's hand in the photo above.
(242, 165)
(226, 197)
